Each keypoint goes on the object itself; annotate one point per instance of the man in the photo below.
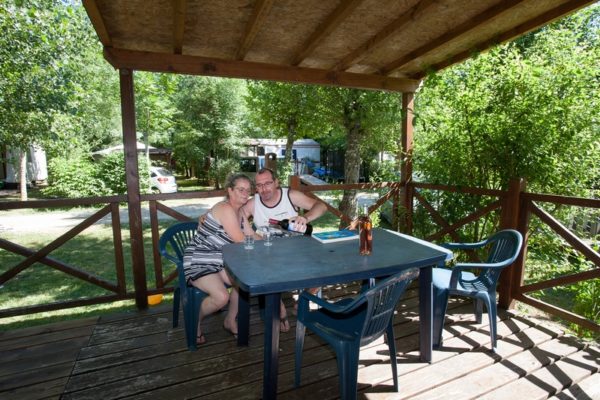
(273, 201)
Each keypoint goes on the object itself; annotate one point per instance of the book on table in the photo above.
(335, 236)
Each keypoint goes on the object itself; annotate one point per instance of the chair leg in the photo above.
(347, 362)
(300, 331)
(478, 304)
(391, 341)
(176, 299)
(440, 305)
(492, 313)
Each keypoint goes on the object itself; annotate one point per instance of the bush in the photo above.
(223, 169)
(82, 177)
(111, 170)
(385, 171)
(73, 178)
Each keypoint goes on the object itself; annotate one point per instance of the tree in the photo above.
(526, 109)
(55, 87)
(368, 121)
(209, 111)
(285, 110)
(30, 64)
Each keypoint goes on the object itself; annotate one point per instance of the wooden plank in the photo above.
(551, 379)
(41, 356)
(47, 328)
(259, 14)
(459, 30)
(51, 389)
(332, 21)
(384, 35)
(193, 65)
(141, 355)
(34, 376)
(91, 7)
(560, 11)
(51, 337)
(179, 9)
(587, 388)
(449, 371)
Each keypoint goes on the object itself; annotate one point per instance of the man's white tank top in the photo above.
(282, 210)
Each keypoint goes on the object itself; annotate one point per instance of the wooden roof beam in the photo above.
(383, 35)
(94, 13)
(260, 12)
(184, 64)
(463, 28)
(179, 9)
(534, 23)
(332, 21)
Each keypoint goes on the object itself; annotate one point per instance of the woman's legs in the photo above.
(217, 298)
(230, 322)
(284, 324)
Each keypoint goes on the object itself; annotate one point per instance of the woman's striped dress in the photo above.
(204, 255)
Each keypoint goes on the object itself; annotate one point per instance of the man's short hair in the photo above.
(269, 170)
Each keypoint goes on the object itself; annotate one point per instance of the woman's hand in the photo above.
(245, 222)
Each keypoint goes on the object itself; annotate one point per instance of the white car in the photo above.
(162, 180)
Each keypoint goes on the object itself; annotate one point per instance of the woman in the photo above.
(203, 258)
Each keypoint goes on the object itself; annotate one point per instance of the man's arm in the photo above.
(315, 208)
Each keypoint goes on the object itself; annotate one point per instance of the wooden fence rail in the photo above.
(516, 208)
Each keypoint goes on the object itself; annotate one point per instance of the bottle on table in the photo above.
(365, 230)
(290, 226)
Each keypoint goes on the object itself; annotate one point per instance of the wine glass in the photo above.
(266, 234)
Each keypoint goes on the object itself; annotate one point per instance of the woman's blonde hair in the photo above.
(232, 181)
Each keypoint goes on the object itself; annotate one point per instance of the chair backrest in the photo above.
(174, 240)
(381, 302)
(504, 248)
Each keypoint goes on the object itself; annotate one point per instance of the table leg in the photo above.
(243, 318)
(271, 356)
(425, 314)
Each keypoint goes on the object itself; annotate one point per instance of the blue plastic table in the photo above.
(303, 262)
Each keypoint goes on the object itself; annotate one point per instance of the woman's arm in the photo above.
(230, 220)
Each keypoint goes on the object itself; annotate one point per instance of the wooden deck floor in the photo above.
(139, 355)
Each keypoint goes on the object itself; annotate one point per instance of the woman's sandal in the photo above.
(200, 339)
(235, 335)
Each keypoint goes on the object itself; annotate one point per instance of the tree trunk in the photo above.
(351, 168)
(23, 175)
(291, 137)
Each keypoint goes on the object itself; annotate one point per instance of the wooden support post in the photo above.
(509, 219)
(133, 188)
(294, 182)
(405, 160)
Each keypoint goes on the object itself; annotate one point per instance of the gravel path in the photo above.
(35, 221)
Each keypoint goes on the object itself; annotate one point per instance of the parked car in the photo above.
(162, 180)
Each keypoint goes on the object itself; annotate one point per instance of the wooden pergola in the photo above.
(369, 44)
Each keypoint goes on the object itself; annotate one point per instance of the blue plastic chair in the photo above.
(351, 323)
(504, 247)
(172, 244)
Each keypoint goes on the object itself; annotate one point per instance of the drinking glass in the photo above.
(266, 235)
(248, 242)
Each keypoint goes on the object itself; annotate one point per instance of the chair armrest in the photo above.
(464, 246)
(459, 267)
(306, 297)
(171, 258)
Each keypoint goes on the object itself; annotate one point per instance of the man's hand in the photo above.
(300, 222)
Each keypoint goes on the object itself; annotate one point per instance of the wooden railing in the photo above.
(514, 205)
(117, 289)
